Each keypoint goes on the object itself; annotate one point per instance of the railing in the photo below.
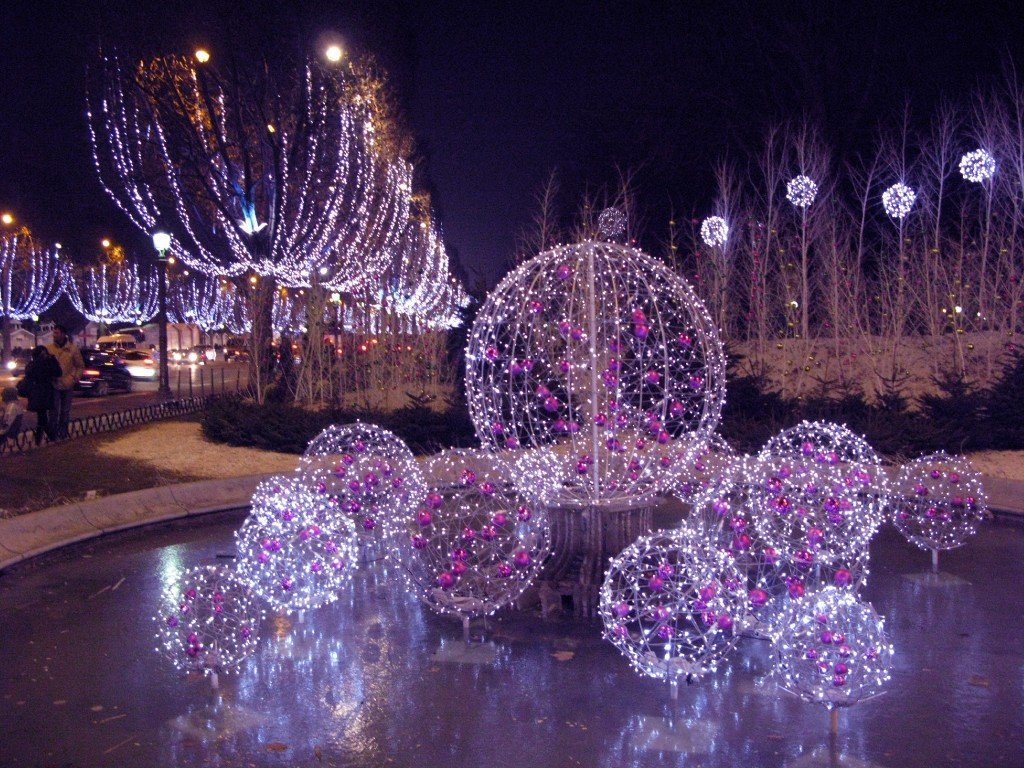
(114, 420)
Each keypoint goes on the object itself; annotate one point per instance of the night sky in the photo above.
(500, 94)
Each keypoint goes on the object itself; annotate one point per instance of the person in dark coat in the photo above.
(38, 386)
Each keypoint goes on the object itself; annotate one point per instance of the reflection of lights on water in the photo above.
(170, 566)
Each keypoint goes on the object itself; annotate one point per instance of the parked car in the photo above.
(103, 374)
(141, 365)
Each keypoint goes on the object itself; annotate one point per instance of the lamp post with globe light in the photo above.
(162, 243)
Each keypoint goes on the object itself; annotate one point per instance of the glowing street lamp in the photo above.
(6, 218)
(334, 53)
(202, 55)
(162, 243)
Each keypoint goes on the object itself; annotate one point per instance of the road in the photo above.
(219, 375)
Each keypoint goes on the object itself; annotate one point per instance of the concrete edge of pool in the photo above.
(35, 533)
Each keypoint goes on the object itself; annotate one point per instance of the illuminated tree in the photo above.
(114, 292)
(202, 301)
(30, 281)
(259, 168)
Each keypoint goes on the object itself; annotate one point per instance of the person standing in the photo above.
(38, 386)
(71, 367)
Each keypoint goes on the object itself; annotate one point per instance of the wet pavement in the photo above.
(377, 680)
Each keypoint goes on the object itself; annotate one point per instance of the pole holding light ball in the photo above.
(162, 243)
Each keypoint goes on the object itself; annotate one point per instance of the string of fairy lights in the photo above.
(31, 277)
(123, 292)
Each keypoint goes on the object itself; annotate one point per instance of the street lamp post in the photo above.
(162, 243)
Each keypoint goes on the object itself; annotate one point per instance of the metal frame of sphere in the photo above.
(669, 603)
(602, 356)
(370, 474)
(295, 550)
(938, 501)
(475, 544)
(831, 649)
(208, 620)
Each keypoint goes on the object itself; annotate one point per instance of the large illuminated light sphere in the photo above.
(938, 501)
(604, 358)
(820, 498)
(801, 191)
(295, 550)
(714, 231)
(208, 620)
(475, 544)
(370, 474)
(898, 200)
(832, 650)
(978, 166)
(669, 603)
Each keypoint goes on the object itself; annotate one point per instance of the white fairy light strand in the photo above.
(602, 357)
(31, 278)
(330, 201)
(122, 292)
(205, 302)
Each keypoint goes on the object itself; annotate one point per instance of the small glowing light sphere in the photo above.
(832, 649)
(898, 200)
(475, 544)
(371, 477)
(820, 498)
(295, 550)
(801, 191)
(601, 356)
(714, 231)
(938, 501)
(670, 602)
(333, 53)
(724, 512)
(978, 166)
(202, 55)
(7, 219)
(611, 224)
(208, 620)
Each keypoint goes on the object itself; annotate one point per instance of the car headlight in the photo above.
(192, 357)
(11, 365)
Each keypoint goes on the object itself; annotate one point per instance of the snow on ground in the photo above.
(1004, 464)
(180, 447)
